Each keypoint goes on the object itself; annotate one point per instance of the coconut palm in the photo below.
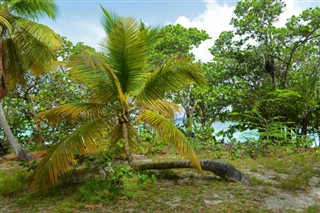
(121, 88)
(24, 46)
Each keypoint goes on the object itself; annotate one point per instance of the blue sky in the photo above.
(79, 20)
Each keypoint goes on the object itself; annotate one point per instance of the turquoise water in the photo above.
(242, 136)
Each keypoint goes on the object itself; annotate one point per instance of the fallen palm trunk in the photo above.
(220, 168)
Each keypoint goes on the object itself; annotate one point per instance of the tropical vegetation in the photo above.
(96, 120)
(26, 47)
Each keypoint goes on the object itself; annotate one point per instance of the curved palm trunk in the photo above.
(18, 149)
(220, 168)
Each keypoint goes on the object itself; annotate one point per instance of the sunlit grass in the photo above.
(181, 190)
(297, 182)
(13, 182)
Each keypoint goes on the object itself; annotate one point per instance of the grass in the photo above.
(313, 209)
(298, 182)
(13, 182)
(166, 191)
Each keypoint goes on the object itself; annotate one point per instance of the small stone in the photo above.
(211, 202)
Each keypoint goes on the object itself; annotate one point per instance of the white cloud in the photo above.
(213, 20)
(292, 8)
(85, 30)
(216, 18)
(89, 32)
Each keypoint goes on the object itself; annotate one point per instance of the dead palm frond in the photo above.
(60, 158)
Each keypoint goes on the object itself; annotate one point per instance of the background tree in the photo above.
(24, 46)
(179, 41)
(263, 62)
(44, 92)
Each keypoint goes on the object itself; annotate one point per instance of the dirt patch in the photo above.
(6, 164)
(314, 181)
(285, 201)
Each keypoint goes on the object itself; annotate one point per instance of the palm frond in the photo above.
(34, 9)
(59, 159)
(88, 66)
(91, 69)
(109, 20)
(73, 111)
(15, 71)
(151, 35)
(126, 53)
(167, 109)
(170, 77)
(4, 18)
(36, 43)
(168, 131)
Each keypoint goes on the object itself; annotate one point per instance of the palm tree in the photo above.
(24, 46)
(123, 92)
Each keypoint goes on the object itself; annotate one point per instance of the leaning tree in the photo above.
(123, 92)
(25, 46)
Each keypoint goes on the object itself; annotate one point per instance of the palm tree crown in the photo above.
(25, 45)
(120, 85)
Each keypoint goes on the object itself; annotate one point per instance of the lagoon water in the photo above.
(223, 126)
(241, 136)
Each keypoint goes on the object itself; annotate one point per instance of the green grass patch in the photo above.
(13, 182)
(298, 182)
(313, 209)
(96, 190)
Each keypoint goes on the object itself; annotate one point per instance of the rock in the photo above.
(314, 181)
(211, 202)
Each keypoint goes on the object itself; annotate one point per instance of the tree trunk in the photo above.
(220, 168)
(123, 120)
(304, 127)
(2, 68)
(17, 148)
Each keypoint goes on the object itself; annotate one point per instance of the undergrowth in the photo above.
(112, 186)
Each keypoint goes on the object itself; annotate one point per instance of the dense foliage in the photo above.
(266, 75)
(44, 92)
(26, 48)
